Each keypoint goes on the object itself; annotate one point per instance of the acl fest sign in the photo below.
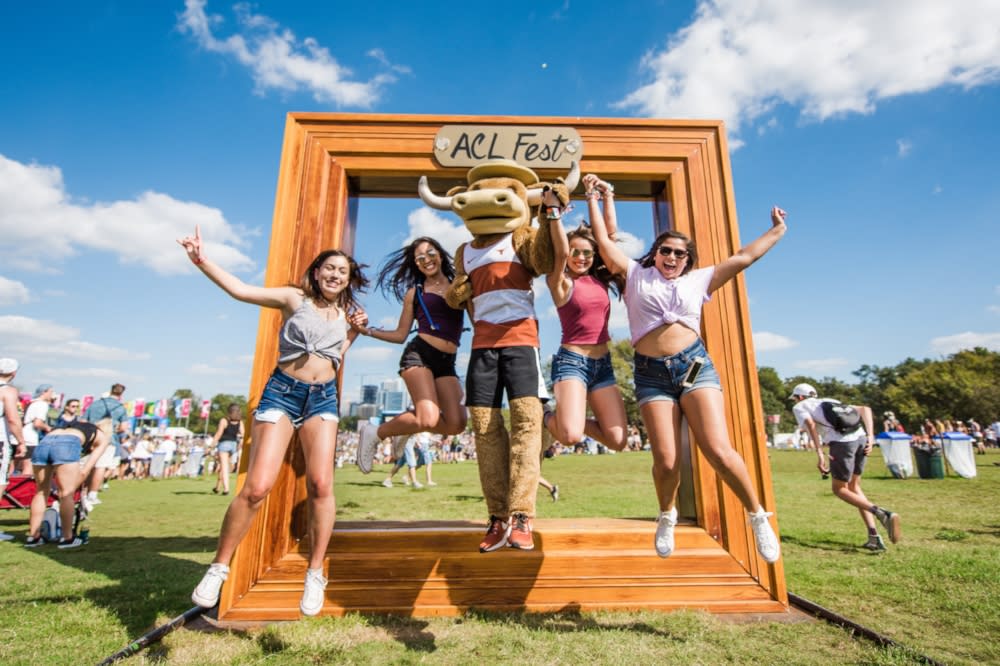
(534, 147)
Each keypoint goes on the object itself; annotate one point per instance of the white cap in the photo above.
(8, 366)
(803, 390)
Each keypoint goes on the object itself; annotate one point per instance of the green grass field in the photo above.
(938, 591)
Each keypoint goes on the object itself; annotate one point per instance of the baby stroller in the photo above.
(18, 494)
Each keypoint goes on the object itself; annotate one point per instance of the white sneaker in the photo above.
(665, 524)
(431, 483)
(763, 534)
(417, 485)
(88, 504)
(314, 592)
(367, 444)
(6, 537)
(94, 499)
(206, 594)
(387, 483)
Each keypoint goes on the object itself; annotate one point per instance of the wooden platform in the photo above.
(435, 568)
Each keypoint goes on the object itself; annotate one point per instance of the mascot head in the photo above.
(499, 198)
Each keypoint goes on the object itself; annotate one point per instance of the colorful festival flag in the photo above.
(161, 408)
(206, 406)
(140, 407)
(85, 402)
(186, 407)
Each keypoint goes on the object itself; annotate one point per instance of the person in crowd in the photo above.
(321, 318)
(581, 370)
(107, 407)
(36, 423)
(66, 455)
(418, 275)
(142, 455)
(229, 437)
(416, 451)
(70, 413)
(848, 454)
(991, 435)
(11, 433)
(674, 375)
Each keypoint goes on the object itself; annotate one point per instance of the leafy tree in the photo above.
(961, 386)
(622, 356)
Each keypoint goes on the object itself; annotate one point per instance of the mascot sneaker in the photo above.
(520, 533)
(496, 536)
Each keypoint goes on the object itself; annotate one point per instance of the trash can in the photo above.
(958, 451)
(930, 462)
(895, 447)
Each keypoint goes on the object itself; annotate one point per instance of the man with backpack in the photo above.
(849, 432)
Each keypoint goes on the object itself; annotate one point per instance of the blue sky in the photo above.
(123, 124)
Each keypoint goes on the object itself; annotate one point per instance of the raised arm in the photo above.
(285, 298)
(559, 284)
(403, 326)
(604, 230)
(739, 262)
(9, 397)
(596, 188)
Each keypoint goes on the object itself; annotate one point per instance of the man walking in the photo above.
(848, 430)
(108, 407)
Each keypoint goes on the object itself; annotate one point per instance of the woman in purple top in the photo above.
(419, 274)
(581, 369)
(674, 376)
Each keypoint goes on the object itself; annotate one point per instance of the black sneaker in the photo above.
(890, 521)
(33, 542)
(874, 543)
(75, 542)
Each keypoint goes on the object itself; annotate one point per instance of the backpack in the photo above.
(842, 418)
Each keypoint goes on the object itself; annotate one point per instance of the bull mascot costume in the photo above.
(493, 279)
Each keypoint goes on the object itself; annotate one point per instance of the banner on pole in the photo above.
(206, 407)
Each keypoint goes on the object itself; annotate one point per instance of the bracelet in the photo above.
(592, 194)
(553, 212)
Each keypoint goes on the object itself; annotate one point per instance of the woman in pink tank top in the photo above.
(674, 375)
(581, 369)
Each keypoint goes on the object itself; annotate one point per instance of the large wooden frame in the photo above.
(328, 162)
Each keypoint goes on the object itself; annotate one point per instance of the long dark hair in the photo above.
(357, 283)
(399, 271)
(649, 258)
(598, 268)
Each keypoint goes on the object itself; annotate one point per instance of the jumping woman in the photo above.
(674, 375)
(418, 275)
(321, 319)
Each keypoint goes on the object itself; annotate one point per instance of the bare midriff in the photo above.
(666, 340)
(310, 369)
(590, 351)
(440, 344)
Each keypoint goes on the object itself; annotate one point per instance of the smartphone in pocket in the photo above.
(692, 373)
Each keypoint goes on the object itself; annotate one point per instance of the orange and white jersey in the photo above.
(504, 305)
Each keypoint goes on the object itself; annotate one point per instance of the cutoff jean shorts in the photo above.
(227, 446)
(57, 450)
(595, 373)
(297, 400)
(662, 377)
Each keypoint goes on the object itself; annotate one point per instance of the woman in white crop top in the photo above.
(321, 319)
(582, 375)
(674, 376)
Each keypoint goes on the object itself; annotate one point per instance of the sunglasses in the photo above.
(430, 255)
(586, 254)
(665, 251)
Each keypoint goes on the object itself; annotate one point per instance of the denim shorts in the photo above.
(57, 450)
(297, 400)
(662, 377)
(594, 373)
(226, 446)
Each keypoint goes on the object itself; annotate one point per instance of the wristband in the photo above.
(553, 212)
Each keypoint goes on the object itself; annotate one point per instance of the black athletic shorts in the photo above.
(420, 354)
(492, 371)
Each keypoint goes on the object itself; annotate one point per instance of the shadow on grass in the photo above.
(144, 580)
(409, 632)
(569, 619)
(822, 544)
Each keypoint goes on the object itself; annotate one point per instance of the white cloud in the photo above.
(13, 292)
(371, 354)
(279, 61)
(822, 364)
(739, 60)
(903, 147)
(937, 189)
(56, 374)
(39, 339)
(763, 341)
(995, 309)
(618, 322)
(633, 246)
(949, 344)
(425, 222)
(40, 224)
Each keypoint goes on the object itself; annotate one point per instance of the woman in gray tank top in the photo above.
(321, 318)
